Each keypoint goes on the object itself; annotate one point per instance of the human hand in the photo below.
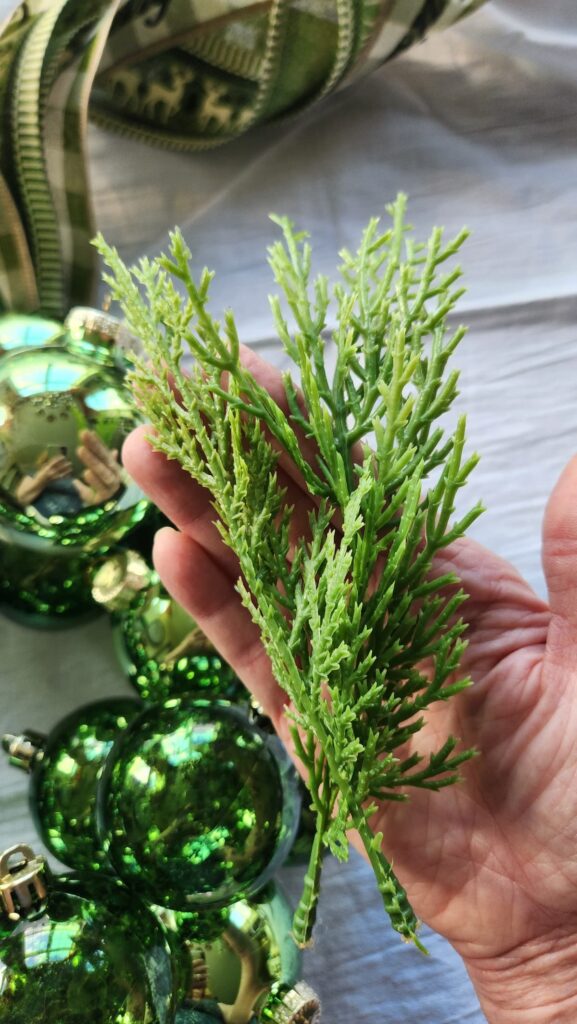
(56, 468)
(32, 485)
(490, 863)
(102, 476)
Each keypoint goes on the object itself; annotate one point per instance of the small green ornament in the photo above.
(65, 767)
(19, 331)
(65, 498)
(196, 807)
(238, 963)
(71, 954)
(159, 645)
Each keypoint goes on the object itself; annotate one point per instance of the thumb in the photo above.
(560, 545)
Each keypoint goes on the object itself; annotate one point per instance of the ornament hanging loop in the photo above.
(24, 750)
(300, 1005)
(21, 883)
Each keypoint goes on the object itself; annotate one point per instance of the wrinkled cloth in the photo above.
(478, 126)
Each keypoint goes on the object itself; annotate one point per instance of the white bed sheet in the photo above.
(478, 125)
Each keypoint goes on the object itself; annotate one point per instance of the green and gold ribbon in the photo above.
(183, 74)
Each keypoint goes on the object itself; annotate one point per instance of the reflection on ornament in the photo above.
(65, 767)
(232, 962)
(160, 647)
(307, 826)
(19, 331)
(64, 496)
(301, 848)
(196, 806)
(81, 954)
(93, 331)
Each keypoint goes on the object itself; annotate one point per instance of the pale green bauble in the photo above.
(65, 498)
(240, 963)
(19, 331)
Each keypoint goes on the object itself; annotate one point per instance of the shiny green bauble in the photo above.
(164, 654)
(196, 806)
(89, 954)
(159, 645)
(235, 963)
(65, 498)
(19, 331)
(65, 767)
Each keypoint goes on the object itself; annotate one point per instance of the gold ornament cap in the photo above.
(97, 329)
(25, 750)
(22, 881)
(119, 581)
(300, 1005)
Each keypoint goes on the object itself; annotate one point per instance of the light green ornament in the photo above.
(240, 964)
(19, 331)
(65, 498)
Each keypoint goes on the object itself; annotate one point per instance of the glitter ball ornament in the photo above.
(159, 646)
(71, 953)
(65, 498)
(196, 806)
(65, 767)
(240, 963)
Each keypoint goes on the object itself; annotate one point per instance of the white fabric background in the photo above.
(478, 126)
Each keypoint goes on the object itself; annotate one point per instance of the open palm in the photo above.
(490, 863)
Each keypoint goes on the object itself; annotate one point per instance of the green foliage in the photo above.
(360, 635)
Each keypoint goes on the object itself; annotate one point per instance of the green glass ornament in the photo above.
(307, 825)
(65, 498)
(196, 806)
(159, 646)
(142, 537)
(301, 848)
(70, 953)
(65, 767)
(238, 963)
(18, 331)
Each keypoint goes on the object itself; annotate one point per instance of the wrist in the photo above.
(535, 983)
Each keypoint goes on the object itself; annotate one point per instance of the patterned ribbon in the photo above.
(184, 74)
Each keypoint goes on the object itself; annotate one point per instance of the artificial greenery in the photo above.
(360, 635)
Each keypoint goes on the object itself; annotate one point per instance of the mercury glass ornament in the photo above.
(65, 498)
(158, 644)
(239, 964)
(65, 767)
(19, 331)
(196, 806)
(70, 953)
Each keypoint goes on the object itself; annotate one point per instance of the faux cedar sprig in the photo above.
(348, 612)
